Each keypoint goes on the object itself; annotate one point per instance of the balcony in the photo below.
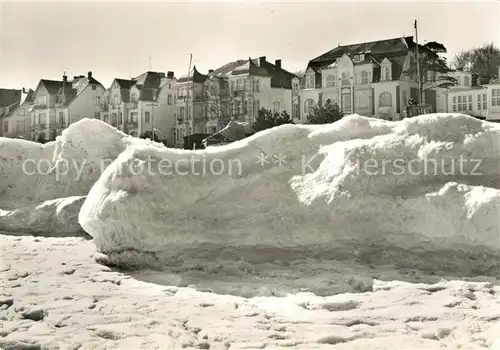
(39, 127)
(132, 105)
(132, 125)
(40, 106)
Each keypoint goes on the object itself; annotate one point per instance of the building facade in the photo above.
(471, 96)
(234, 91)
(16, 119)
(144, 105)
(369, 79)
(57, 104)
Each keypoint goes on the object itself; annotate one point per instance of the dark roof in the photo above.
(52, 86)
(149, 85)
(8, 97)
(280, 78)
(371, 48)
(395, 50)
(125, 83)
(194, 76)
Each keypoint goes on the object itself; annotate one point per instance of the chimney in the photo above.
(277, 63)
(170, 75)
(24, 91)
(65, 80)
(210, 71)
(76, 77)
(262, 60)
(89, 75)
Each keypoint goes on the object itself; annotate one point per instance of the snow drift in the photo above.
(52, 218)
(33, 175)
(32, 172)
(428, 181)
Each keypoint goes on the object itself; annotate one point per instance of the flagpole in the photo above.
(418, 65)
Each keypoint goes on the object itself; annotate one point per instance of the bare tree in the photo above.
(483, 60)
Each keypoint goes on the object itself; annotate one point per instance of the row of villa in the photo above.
(368, 79)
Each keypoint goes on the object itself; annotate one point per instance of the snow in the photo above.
(56, 217)
(148, 218)
(54, 296)
(33, 176)
(270, 253)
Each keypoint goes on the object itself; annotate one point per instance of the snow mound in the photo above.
(33, 173)
(364, 180)
(52, 218)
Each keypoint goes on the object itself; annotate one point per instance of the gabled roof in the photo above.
(28, 98)
(8, 97)
(52, 86)
(74, 88)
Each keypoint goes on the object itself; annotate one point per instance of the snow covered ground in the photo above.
(268, 256)
(55, 296)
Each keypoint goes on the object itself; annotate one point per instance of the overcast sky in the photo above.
(115, 39)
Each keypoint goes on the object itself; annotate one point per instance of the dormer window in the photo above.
(358, 58)
(310, 82)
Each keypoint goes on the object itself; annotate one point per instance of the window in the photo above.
(41, 119)
(113, 119)
(236, 109)
(308, 106)
(364, 77)
(42, 100)
(146, 117)
(276, 107)
(495, 97)
(239, 83)
(462, 103)
(256, 107)
(345, 78)
(485, 101)
(190, 112)
(182, 112)
(310, 82)
(405, 98)
(387, 74)
(169, 86)
(385, 99)
(454, 104)
(330, 81)
(120, 118)
(169, 99)
(97, 100)
(94, 87)
(296, 111)
(245, 107)
(467, 81)
(458, 80)
(5, 126)
(257, 85)
(105, 118)
(479, 105)
(470, 103)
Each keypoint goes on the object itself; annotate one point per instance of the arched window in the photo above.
(308, 106)
(330, 81)
(364, 77)
(346, 79)
(385, 100)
